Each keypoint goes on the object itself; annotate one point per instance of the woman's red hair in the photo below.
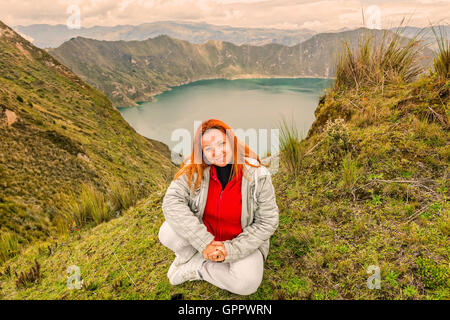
(197, 163)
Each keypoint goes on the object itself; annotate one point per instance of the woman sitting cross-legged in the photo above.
(220, 213)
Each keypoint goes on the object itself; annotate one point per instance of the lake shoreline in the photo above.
(238, 77)
(250, 103)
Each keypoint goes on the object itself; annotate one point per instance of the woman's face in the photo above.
(216, 148)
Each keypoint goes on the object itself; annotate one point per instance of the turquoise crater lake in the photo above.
(242, 104)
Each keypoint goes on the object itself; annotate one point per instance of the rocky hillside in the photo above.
(57, 132)
(128, 72)
(372, 190)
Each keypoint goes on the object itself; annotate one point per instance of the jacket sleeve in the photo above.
(179, 216)
(265, 223)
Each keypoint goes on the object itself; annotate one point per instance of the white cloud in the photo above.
(284, 25)
(320, 15)
(311, 24)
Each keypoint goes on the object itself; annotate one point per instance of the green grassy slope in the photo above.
(58, 132)
(342, 213)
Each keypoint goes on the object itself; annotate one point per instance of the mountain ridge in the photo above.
(133, 71)
(52, 36)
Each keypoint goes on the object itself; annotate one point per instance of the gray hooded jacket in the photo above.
(183, 210)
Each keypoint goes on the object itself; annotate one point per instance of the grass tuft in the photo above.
(290, 146)
(93, 207)
(90, 206)
(9, 245)
(441, 62)
(29, 277)
(393, 60)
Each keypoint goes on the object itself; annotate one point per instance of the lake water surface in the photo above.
(242, 104)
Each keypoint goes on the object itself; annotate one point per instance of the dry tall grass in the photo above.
(392, 60)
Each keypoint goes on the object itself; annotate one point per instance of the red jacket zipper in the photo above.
(218, 207)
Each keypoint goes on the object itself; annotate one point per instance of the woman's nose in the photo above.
(219, 151)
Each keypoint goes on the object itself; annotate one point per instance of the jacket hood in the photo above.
(257, 172)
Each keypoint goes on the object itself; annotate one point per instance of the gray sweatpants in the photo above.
(241, 277)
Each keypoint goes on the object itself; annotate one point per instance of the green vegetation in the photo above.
(290, 143)
(441, 62)
(371, 188)
(433, 274)
(92, 207)
(391, 60)
(27, 278)
(9, 245)
(374, 191)
(58, 133)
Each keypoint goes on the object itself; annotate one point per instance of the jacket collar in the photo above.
(252, 172)
(213, 174)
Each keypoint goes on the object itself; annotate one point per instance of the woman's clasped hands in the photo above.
(215, 251)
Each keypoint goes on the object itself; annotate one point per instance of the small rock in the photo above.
(83, 157)
(11, 117)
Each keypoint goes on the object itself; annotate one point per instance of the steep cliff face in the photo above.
(133, 71)
(57, 132)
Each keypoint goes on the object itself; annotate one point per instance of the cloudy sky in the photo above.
(319, 15)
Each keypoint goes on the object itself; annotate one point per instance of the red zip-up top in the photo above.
(222, 215)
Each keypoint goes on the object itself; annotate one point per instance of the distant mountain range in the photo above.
(132, 71)
(52, 36)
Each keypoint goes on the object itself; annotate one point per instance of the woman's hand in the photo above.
(215, 251)
(220, 253)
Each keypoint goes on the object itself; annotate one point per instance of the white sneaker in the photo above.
(189, 271)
